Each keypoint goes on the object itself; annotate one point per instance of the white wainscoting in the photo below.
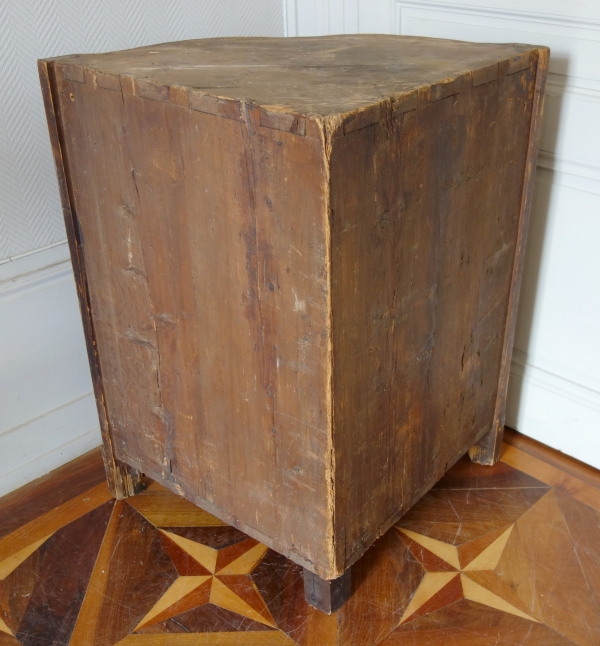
(554, 390)
(47, 409)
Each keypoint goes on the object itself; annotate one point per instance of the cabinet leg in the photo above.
(487, 450)
(123, 480)
(327, 596)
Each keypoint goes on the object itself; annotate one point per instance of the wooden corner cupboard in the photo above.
(298, 264)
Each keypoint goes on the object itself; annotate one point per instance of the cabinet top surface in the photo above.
(322, 75)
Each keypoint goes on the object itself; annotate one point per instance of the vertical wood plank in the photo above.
(425, 215)
(123, 480)
(487, 450)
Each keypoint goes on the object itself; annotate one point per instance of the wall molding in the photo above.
(544, 404)
(35, 281)
(497, 12)
(571, 387)
(47, 408)
(290, 18)
(33, 272)
(49, 440)
(579, 174)
(574, 173)
(556, 30)
(559, 85)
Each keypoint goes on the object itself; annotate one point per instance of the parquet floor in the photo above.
(492, 555)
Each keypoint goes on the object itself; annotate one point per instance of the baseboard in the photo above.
(47, 410)
(559, 410)
(47, 442)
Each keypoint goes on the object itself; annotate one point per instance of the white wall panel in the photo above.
(554, 391)
(47, 410)
(30, 215)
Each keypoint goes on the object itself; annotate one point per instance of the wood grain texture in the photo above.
(442, 515)
(48, 523)
(540, 587)
(407, 361)
(466, 474)
(469, 624)
(122, 479)
(299, 290)
(583, 524)
(328, 75)
(552, 475)
(56, 599)
(487, 450)
(119, 595)
(208, 639)
(558, 460)
(276, 386)
(526, 574)
(180, 512)
(50, 491)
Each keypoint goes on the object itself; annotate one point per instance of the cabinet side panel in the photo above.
(205, 245)
(122, 480)
(487, 450)
(107, 220)
(425, 213)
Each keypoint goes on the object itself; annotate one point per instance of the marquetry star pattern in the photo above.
(459, 572)
(209, 575)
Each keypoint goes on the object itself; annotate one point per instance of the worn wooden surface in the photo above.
(295, 262)
(491, 555)
(487, 450)
(428, 205)
(123, 480)
(323, 76)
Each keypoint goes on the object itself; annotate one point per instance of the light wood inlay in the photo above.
(222, 596)
(488, 559)
(431, 584)
(181, 588)
(206, 556)
(5, 629)
(13, 562)
(475, 592)
(246, 562)
(53, 520)
(179, 512)
(444, 550)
